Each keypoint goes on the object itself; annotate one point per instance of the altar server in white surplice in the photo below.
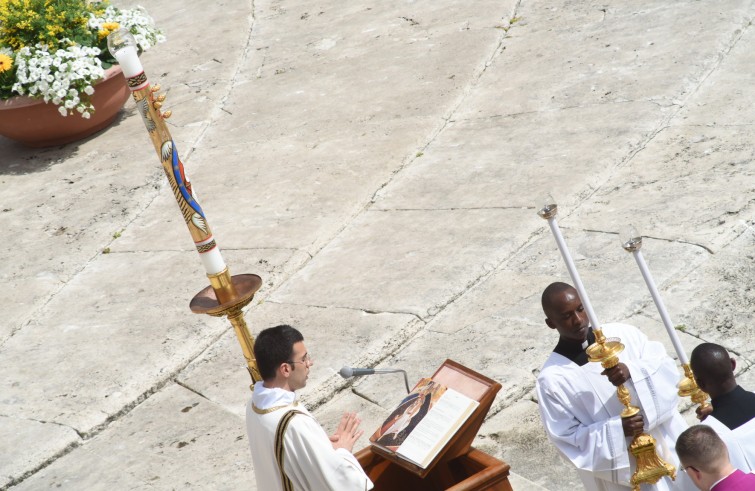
(290, 450)
(579, 406)
(732, 411)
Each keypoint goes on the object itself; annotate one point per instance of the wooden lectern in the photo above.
(458, 466)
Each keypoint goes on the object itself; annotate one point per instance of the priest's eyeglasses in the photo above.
(307, 360)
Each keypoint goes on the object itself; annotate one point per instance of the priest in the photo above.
(579, 406)
(290, 450)
(733, 408)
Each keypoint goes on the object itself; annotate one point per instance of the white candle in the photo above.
(128, 59)
(212, 260)
(661, 308)
(123, 47)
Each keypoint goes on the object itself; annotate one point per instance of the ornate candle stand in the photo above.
(650, 466)
(688, 386)
(227, 295)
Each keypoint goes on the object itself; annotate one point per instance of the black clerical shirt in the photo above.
(734, 408)
(573, 350)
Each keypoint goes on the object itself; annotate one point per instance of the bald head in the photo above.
(553, 294)
(713, 369)
(565, 313)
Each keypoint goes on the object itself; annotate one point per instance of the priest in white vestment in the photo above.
(290, 450)
(579, 406)
(732, 410)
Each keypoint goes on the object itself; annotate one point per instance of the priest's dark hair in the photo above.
(274, 346)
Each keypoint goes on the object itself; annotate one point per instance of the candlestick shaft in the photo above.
(573, 272)
(247, 344)
(660, 306)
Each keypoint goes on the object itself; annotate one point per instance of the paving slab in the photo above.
(175, 439)
(705, 170)
(388, 245)
(714, 302)
(723, 97)
(511, 161)
(516, 436)
(89, 357)
(565, 54)
(320, 65)
(50, 439)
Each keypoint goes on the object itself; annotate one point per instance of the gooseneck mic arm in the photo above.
(347, 372)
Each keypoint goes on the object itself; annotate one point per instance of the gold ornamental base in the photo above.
(650, 467)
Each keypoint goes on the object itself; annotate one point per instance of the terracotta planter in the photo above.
(36, 124)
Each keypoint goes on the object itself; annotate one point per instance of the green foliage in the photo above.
(31, 22)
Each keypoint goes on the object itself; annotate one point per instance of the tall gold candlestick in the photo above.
(650, 466)
(688, 386)
(227, 295)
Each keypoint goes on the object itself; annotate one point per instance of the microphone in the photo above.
(347, 372)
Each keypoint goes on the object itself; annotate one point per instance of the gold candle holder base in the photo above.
(688, 388)
(235, 293)
(650, 467)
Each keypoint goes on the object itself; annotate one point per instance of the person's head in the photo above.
(564, 311)
(282, 358)
(713, 369)
(703, 455)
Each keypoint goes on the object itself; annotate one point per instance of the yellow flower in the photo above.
(5, 62)
(107, 28)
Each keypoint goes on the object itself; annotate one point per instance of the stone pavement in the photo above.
(379, 165)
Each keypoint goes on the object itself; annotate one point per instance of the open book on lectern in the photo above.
(424, 422)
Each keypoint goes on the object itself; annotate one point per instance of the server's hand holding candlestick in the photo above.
(650, 467)
(227, 294)
(631, 241)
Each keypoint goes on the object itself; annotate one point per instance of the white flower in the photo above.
(66, 75)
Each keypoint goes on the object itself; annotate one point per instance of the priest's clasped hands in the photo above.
(347, 433)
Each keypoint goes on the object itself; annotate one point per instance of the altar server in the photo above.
(579, 406)
(733, 408)
(290, 450)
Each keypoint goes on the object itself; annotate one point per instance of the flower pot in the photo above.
(37, 124)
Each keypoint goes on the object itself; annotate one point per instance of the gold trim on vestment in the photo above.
(274, 408)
